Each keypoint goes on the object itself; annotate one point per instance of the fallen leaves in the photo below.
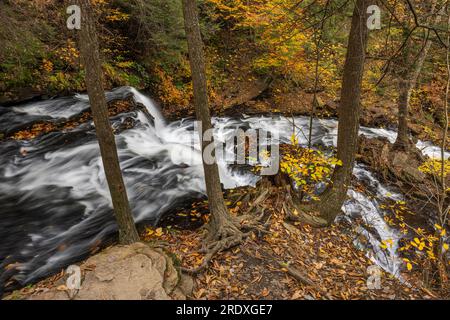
(37, 129)
(335, 269)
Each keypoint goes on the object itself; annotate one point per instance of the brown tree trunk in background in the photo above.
(408, 81)
(219, 212)
(404, 95)
(349, 113)
(89, 50)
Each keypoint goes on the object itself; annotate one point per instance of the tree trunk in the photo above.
(404, 89)
(219, 212)
(349, 112)
(89, 50)
(408, 81)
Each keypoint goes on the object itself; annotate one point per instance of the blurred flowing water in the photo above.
(54, 201)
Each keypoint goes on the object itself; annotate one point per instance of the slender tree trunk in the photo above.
(442, 208)
(89, 49)
(404, 89)
(219, 212)
(408, 82)
(315, 103)
(349, 113)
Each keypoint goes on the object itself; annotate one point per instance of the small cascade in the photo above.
(55, 204)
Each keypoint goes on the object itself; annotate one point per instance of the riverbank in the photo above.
(291, 261)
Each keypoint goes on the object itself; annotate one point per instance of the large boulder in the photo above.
(133, 272)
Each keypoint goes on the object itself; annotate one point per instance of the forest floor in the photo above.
(291, 261)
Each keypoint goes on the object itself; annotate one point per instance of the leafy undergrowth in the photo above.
(290, 262)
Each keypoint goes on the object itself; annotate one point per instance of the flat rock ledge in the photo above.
(132, 272)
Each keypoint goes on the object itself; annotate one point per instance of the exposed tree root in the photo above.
(226, 232)
(226, 236)
(298, 212)
(304, 217)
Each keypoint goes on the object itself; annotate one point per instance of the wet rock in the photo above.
(400, 160)
(414, 174)
(392, 164)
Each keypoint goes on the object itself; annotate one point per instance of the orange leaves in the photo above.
(114, 15)
(69, 54)
(47, 65)
(169, 93)
(114, 108)
(265, 292)
(34, 131)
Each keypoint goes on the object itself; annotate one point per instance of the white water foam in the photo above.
(56, 195)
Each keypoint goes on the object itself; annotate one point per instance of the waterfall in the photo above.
(54, 199)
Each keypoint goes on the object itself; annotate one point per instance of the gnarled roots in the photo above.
(226, 231)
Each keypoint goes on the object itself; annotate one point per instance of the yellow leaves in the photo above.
(125, 64)
(430, 255)
(336, 162)
(409, 265)
(418, 244)
(115, 15)
(68, 54)
(294, 140)
(306, 167)
(47, 65)
(159, 232)
(284, 49)
(389, 220)
(96, 3)
(445, 247)
(386, 243)
(434, 167)
(153, 233)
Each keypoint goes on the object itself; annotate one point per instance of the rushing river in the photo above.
(54, 201)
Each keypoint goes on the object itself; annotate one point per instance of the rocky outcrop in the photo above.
(133, 272)
(392, 164)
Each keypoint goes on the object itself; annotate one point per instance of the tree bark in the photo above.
(217, 207)
(349, 113)
(89, 49)
(404, 95)
(408, 81)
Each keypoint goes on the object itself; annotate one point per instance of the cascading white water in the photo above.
(54, 200)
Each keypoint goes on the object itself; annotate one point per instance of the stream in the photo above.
(55, 206)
